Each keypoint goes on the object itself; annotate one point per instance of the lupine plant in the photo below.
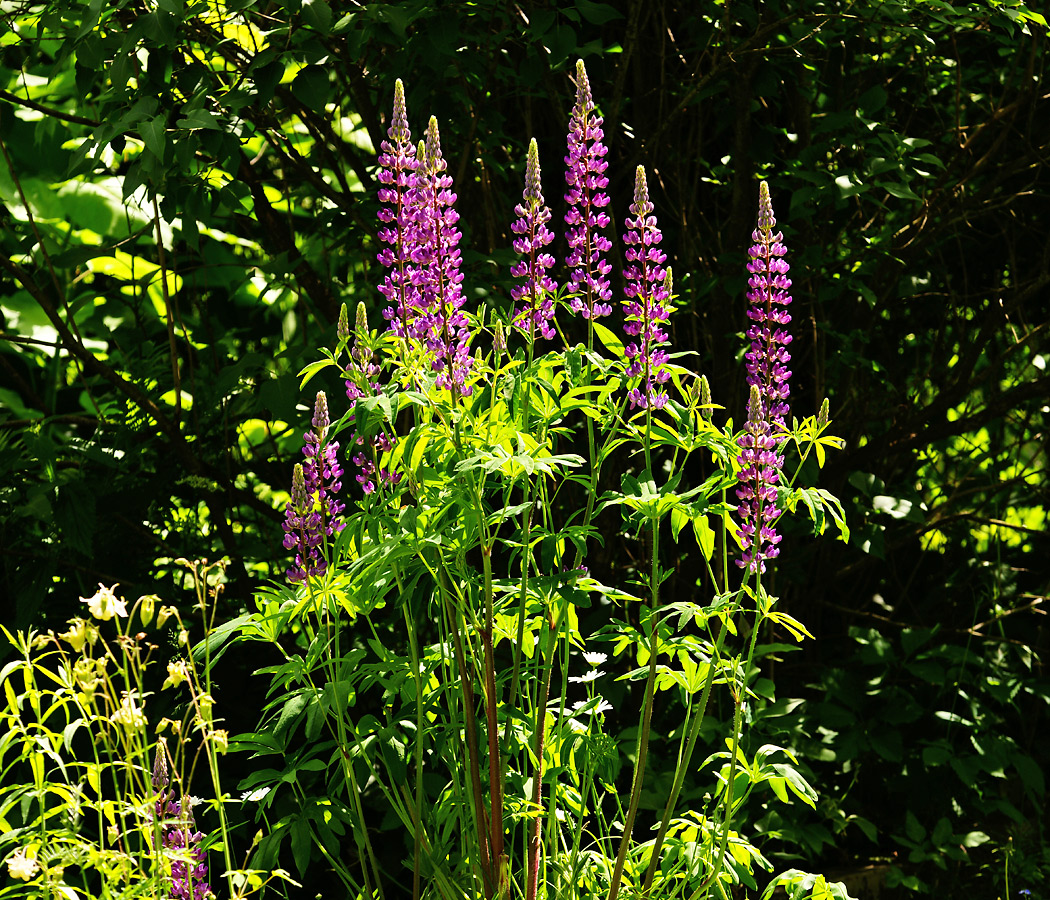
(450, 582)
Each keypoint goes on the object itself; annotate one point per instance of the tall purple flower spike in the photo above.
(648, 305)
(437, 256)
(314, 511)
(767, 374)
(179, 836)
(537, 287)
(397, 178)
(767, 293)
(585, 176)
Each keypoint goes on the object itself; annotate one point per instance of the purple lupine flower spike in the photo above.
(314, 511)
(768, 375)
(179, 836)
(648, 305)
(585, 176)
(397, 178)
(757, 492)
(768, 286)
(437, 255)
(538, 287)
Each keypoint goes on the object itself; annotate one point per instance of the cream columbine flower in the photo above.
(129, 715)
(178, 672)
(21, 866)
(80, 632)
(105, 604)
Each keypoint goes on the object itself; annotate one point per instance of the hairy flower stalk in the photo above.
(436, 253)
(768, 375)
(648, 305)
(313, 513)
(537, 287)
(179, 836)
(397, 178)
(585, 176)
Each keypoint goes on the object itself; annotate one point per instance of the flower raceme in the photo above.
(757, 492)
(313, 513)
(179, 836)
(436, 254)
(537, 287)
(398, 180)
(767, 357)
(648, 304)
(768, 375)
(585, 176)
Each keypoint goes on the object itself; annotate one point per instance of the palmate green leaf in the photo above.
(499, 459)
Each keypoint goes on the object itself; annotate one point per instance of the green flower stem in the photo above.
(361, 832)
(413, 650)
(213, 759)
(650, 686)
(727, 815)
(683, 766)
(492, 729)
(473, 767)
(536, 824)
(526, 544)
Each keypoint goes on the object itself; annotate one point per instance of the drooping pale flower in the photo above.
(397, 177)
(129, 715)
(314, 511)
(436, 253)
(767, 405)
(768, 286)
(585, 167)
(648, 305)
(80, 633)
(104, 604)
(21, 867)
(178, 672)
(536, 289)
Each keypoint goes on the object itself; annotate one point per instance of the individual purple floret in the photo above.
(757, 492)
(179, 836)
(538, 287)
(648, 305)
(585, 175)
(436, 254)
(313, 513)
(397, 177)
(767, 293)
